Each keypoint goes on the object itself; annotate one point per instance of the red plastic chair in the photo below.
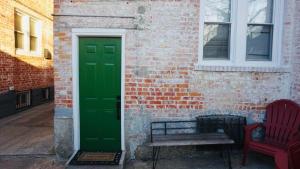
(282, 130)
(294, 155)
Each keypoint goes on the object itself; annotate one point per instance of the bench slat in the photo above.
(190, 139)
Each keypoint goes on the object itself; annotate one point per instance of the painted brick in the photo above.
(161, 80)
(296, 52)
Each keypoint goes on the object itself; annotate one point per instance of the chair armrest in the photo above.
(294, 144)
(294, 139)
(294, 154)
(249, 129)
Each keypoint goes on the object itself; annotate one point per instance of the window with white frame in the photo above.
(259, 30)
(240, 32)
(27, 34)
(217, 27)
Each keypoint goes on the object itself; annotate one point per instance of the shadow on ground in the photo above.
(207, 161)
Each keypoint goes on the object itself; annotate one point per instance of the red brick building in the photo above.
(26, 46)
(176, 59)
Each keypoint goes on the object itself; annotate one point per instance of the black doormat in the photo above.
(96, 158)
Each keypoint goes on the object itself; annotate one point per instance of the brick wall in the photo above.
(25, 72)
(296, 53)
(7, 71)
(161, 52)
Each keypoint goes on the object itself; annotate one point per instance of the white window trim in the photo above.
(238, 37)
(94, 32)
(26, 50)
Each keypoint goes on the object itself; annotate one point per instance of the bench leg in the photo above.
(155, 155)
(229, 156)
(222, 152)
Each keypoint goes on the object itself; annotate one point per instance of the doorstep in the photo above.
(120, 166)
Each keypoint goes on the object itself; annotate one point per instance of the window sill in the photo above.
(242, 69)
(20, 52)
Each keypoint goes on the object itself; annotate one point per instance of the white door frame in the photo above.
(94, 32)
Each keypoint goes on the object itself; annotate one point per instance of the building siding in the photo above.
(162, 80)
(25, 72)
(296, 52)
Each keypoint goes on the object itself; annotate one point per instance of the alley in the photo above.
(26, 139)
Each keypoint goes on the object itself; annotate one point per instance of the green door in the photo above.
(99, 94)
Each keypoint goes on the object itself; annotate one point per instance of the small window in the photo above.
(19, 31)
(23, 99)
(33, 35)
(260, 30)
(45, 94)
(217, 28)
(27, 34)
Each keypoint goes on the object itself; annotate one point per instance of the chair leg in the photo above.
(245, 156)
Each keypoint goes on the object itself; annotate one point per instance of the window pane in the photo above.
(33, 31)
(19, 40)
(217, 11)
(18, 23)
(33, 43)
(216, 41)
(260, 11)
(259, 42)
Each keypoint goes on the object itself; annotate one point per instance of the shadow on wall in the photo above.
(24, 72)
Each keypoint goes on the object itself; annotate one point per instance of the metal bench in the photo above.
(185, 133)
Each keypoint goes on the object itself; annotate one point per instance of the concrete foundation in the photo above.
(63, 133)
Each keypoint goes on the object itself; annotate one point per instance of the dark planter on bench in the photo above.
(232, 125)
